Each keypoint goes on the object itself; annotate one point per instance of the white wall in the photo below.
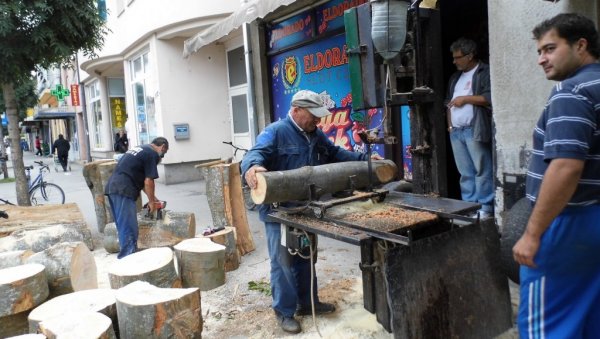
(519, 86)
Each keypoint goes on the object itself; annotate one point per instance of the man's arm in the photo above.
(475, 100)
(149, 190)
(558, 186)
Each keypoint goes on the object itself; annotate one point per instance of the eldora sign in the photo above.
(75, 95)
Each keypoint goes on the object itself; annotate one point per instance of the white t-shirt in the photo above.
(462, 116)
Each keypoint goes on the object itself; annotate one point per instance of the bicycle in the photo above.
(40, 191)
(248, 203)
(3, 214)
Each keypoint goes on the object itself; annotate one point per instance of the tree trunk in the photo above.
(201, 263)
(96, 182)
(10, 102)
(154, 265)
(34, 217)
(43, 238)
(97, 300)
(110, 238)
(146, 311)
(14, 258)
(3, 153)
(227, 238)
(70, 267)
(22, 288)
(282, 186)
(86, 324)
(15, 325)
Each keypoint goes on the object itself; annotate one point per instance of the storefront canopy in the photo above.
(54, 113)
(250, 11)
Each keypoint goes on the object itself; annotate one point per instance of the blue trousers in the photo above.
(560, 298)
(474, 162)
(290, 277)
(125, 214)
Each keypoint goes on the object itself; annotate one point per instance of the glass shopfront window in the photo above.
(143, 99)
(95, 109)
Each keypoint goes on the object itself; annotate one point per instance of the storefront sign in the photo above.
(75, 95)
(119, 112)
(330, 16)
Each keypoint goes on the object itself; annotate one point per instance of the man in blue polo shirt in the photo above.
(135, 172)
(558, 252)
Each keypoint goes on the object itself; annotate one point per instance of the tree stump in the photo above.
(201, 263)
(43, 238)
(282, 186)
(226, 202)
(70, 266)
(96, 183)
(146, 311)
(97, 300)
(14, 258)
(227, 238)
(13, 325)
(154, 265)
(81, 325)
(110, 238)
(22, 288)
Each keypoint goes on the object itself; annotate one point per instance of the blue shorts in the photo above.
(561, 297)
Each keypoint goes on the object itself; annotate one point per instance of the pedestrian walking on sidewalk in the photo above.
(62, 146)
(38, 146)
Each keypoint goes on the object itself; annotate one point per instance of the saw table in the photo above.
(428, 270)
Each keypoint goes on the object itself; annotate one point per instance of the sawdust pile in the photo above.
(397, 217)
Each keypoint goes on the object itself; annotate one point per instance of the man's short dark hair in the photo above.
(159, 141)
(465, 46)
(571, 27)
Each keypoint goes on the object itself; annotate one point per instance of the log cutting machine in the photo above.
(428, 270)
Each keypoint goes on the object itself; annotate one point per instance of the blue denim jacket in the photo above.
(282, 146)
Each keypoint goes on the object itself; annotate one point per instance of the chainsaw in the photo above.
(159, 206)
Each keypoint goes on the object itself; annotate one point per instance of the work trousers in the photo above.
(63, 159)
(125, 214)
(290, 276)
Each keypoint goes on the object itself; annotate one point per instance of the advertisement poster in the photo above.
(406, 144)
(323, 68)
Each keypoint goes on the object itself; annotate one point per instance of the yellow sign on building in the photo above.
(119, 112)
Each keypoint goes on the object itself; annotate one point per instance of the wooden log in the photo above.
(226, 203)
(14, 258)
(14, 325)
(282, 186)
(81, 325)
(29, 336)
(212, 163)
(154, 265)
(43, 238)
(146, 311)
(110, 238)
(37, 217)
(22, 288)
(96, 183)
(201, 263)
(70, 267)
(101, 300)
(227, 238)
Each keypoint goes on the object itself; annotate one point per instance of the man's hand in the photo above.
(152, 205)
(375, 156)
(458, 102)
(250, 175)
(526, 248)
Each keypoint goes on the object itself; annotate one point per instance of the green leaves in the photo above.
(260, 286)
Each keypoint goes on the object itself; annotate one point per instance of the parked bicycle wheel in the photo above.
(46, 193)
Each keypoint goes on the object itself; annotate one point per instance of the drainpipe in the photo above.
(88, 152)
(250, 80)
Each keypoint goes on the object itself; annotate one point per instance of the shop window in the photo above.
(95, 109)
(143, 99)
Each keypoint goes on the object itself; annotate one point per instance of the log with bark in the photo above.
(154, 265)
(14, 325)
(292, 185)
(40, 239)
(22, 288)
(146, 311)
(226, 202)
(96, 182)
(173, 228)
(82, 325)
(101, 300)
(227, 238)
(29, 336)
(14, 258)
(70, 267)
(201, 263)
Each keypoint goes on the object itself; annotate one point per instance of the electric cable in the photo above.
(312, 283)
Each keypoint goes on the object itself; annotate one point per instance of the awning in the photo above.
(64, 112)
(250, 11)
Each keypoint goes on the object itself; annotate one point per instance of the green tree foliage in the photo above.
(41, 33)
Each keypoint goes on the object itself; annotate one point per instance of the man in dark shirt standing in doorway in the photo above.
(135, 172)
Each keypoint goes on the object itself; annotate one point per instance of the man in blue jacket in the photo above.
(288, 144)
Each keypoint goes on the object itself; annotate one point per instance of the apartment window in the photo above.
(143, 99)
(95, 109)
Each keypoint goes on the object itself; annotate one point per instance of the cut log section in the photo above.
(81, 325)
(201, 263)
(227, 238)
(22, 288)
(110, 238)
(226, 202)
(70, 267)
(14, 258)
(97, 300)
(29, 336)
(282, 186)
(154, 265)
(96, 183)
(146, 311)
(14, 325)
(43, 238)
(42, 216)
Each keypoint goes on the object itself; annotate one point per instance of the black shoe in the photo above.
(289, 324)
(320, 308)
